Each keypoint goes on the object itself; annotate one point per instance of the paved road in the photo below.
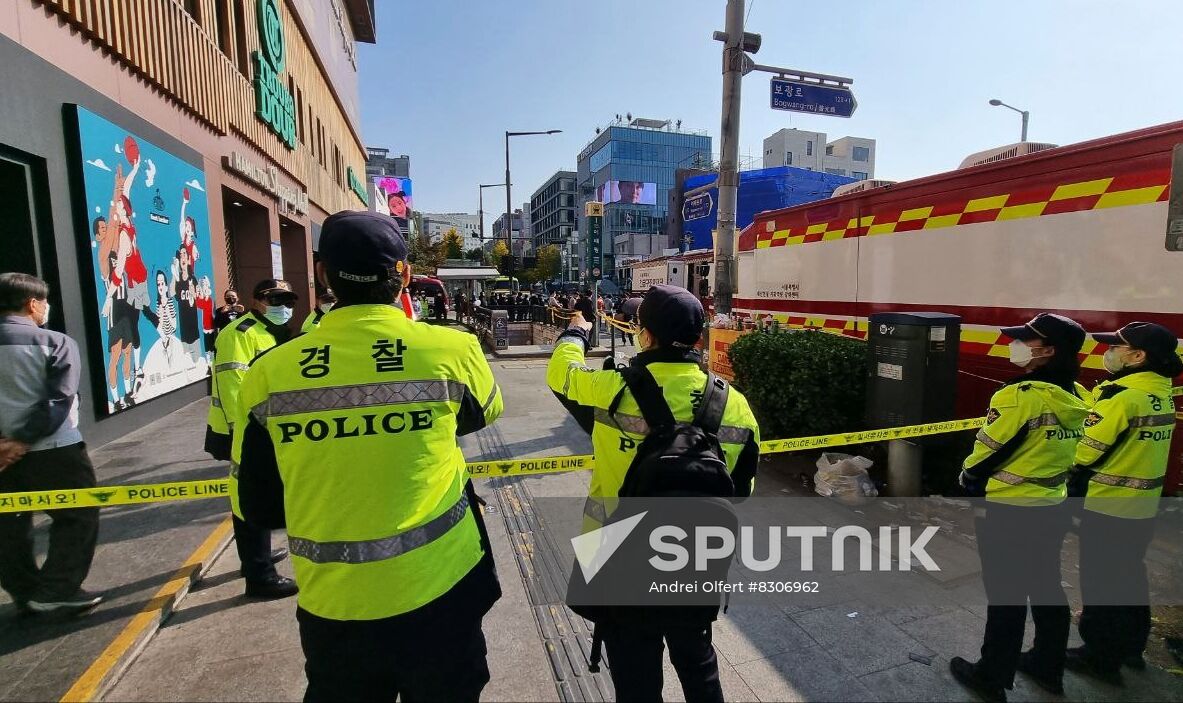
(219, 647)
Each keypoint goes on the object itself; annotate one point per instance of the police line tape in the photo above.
(106, 496)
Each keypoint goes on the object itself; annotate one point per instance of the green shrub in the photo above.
(801, 383)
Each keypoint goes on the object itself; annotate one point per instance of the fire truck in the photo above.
(1093, 231)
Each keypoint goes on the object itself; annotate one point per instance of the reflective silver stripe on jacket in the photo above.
(1044, 420)
(1094, 444)
(1140, 484)
(364, 395)
(633, 424)
(1015, 479)
(490, 399)
(231, 366)
(365, 551)
(1152, 420)
(988, 440)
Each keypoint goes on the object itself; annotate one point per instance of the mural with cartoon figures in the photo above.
(148, 227)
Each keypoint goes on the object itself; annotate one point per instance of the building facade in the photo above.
(436, 225)
(380, 163)
(630, 166)
(156, 153)
(853, 157)
(522, 245)
(552, 210)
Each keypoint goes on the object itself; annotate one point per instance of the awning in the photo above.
(474, 273)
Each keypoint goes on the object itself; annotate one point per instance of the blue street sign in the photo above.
(799, 96)
(697, 207)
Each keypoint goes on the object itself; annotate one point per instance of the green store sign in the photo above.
(273, 103)
(355, 185)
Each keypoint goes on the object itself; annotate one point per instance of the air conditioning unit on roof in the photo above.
(860, 186)
(989, 156)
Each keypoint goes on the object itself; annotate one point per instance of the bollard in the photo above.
(905, 460)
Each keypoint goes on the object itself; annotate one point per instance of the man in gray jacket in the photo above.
(41, 449)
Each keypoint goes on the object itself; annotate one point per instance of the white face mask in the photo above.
(1113, 359)
(1020, 354)
(278, 314)
(44, 316)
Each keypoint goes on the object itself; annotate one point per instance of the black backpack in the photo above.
(676, 459)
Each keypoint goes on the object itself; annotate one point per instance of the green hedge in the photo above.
(801, 383)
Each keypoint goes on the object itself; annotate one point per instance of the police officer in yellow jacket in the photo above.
(238, 344)
(671, 322)
(324, 302)
(350, 439)
(1120, 465)
(1020, 463)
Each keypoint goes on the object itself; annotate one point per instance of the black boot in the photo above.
(1029, 664)
(1082, 662)
(967, 675)
(271, 588)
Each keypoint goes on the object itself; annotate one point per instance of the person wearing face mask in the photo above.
(265, 327)
(671, 321)
(1020, 463)
(41, 449)
(1121, 463)
(324, 302)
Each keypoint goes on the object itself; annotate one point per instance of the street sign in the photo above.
(814, 98)
(698, 207)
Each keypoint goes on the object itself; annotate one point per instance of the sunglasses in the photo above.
(285, 300)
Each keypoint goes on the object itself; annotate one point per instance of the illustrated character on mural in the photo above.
(167, 349)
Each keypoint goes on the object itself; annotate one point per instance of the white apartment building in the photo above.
(437, 224)
(848, 156)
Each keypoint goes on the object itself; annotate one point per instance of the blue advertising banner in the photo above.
(148, 229)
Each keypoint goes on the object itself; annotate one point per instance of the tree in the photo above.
(453, 244)
(500, 251)
(475, 254)
(548, 263)
(426, 255)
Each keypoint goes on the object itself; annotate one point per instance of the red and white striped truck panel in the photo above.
(1078, 230)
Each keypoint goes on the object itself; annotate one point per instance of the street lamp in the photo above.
(1026, 115)
(480, 211)
(509, 197)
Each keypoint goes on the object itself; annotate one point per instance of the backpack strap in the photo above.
(650, 399)
(714, 403)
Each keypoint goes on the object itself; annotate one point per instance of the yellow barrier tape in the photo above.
(795, 444)
(103, 496)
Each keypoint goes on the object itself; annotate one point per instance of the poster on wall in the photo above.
(394, 198)
(148, 229)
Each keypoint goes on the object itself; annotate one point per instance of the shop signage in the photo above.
(346, 41)
(273, 103)
(292, 201)
(595, 232)
(355, 185)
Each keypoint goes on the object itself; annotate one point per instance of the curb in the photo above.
(106, 670)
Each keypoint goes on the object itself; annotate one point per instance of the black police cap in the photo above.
(672, 315)
(363, 247)
(1055, 330)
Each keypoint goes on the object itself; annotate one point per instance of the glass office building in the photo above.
(631, 169)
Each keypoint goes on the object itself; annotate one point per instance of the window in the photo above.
(809, 148)
(836, 171)
(244, 61)
(861, 153)
(788, 158)
(194, 10)
(222, 27)
(829, 150)
(859, 175)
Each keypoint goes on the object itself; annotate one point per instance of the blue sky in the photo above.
(448, 77)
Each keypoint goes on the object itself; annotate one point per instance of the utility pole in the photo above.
(733, 60)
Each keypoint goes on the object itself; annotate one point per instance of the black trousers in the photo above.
(254, 550)
(1115, 623)
(635, 661)
(1020, 549)
(73, 532)
(434, 653)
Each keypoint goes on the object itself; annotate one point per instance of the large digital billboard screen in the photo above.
(628, 192)
(394, 198)
(148, 233)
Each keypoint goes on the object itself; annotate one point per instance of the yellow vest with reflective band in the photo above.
(1045, 422)
(238, 344)
(362, 412)
(615, 437)
(311, 321)
(1127, 442)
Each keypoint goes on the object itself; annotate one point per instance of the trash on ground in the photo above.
(844, 478)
